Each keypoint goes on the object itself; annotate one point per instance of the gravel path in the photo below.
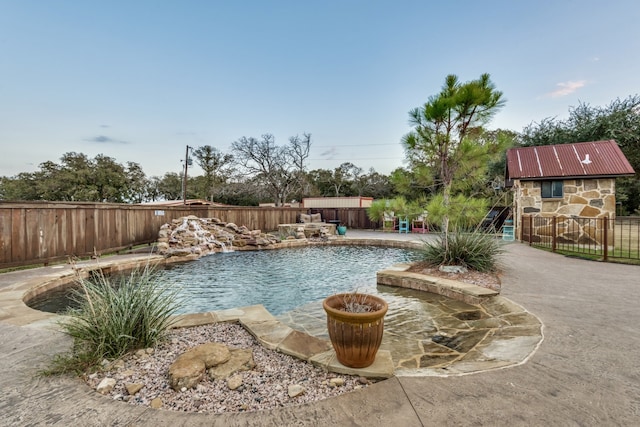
(264, 387)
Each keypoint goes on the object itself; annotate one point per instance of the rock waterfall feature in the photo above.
(191, 235)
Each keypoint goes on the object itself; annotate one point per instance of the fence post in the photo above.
(605, 231)
(554, 230)
(530, 229)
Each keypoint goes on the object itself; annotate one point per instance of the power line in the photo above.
(353, 159)
(354, 145)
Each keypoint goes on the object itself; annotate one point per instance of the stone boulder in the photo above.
(212, 354)
(233, 227)
(240, 243)
(186, 372)
(240, 360)
(189, 368)
(221, 362)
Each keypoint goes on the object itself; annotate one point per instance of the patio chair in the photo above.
(419, 225)
(389, 221)
(403, 225)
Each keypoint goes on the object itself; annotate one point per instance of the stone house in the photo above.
(566, 181)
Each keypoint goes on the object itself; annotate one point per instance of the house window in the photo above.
(552, 189)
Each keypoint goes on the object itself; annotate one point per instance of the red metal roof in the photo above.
(599, 158)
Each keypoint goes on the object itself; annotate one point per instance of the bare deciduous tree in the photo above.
(279, 168)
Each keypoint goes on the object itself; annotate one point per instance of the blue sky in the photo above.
(140, 80)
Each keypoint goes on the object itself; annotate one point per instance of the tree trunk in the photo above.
(446, 201)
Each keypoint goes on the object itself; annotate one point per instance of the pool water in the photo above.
(283, 279)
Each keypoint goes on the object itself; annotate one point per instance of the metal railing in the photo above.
(602, 238)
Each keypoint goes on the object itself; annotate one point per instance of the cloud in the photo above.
(101, 139)
(329, 154)
(105, 126)
(566, 88)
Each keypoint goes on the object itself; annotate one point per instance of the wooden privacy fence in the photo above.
(602, 237)
(355, 218)
(42, 232)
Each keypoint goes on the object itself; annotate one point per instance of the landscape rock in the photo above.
(336, 382)
(234, 382)
(106, 385)
(212, 354)
(190, 367)
(240, 360)
(141, 353)
(233, 227)
(186, 372)
(295, 390)
(268, 382)
(133, 388)
(458, 269)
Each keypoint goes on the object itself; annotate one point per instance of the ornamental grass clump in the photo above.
(115, 316)
(476, 251)
(355, 302)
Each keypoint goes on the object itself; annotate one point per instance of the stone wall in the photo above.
(582, 198)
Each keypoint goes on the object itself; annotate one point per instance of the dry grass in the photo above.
(627, 239)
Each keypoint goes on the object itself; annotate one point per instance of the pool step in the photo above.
(398, 276)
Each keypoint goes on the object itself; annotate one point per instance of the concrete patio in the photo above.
(584, 373)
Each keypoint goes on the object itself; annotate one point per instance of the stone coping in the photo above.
(277, 336)
(398, 276)
(18, 287)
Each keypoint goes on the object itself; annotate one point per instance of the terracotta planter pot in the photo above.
(355, 337)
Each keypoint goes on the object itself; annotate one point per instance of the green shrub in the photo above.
(464, 213)
(115, 316)
(476, 251)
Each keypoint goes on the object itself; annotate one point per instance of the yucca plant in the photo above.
(117, 315)
(476, 251)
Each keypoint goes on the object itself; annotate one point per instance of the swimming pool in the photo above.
(425, 333)
(281, 280)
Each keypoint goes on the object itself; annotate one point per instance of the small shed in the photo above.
(566, 180)
(188, 202)
(337, 202)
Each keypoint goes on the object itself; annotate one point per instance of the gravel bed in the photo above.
(264, 387)
(473, 277)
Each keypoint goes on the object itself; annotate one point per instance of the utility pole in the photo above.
(184, 178)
